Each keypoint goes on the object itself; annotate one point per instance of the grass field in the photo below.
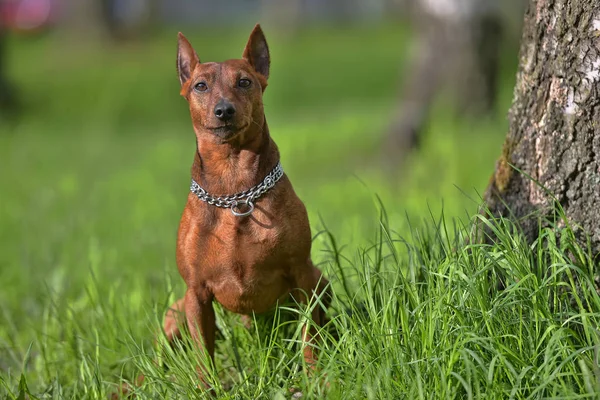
(95, 175)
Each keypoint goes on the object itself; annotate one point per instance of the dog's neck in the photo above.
(225, 168)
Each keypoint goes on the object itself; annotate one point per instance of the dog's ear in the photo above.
(187, 59)
(257, 52)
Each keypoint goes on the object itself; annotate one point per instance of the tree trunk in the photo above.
(457, 44)
(554, 134)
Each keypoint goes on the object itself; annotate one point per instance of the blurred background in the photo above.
(402, 102)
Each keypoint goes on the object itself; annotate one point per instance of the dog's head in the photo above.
(225, 98)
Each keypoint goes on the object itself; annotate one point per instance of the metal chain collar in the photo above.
(245, 198)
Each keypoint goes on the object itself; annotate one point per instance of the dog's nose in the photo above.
(224, 110)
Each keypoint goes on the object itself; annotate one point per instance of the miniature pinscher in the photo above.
(244, 238)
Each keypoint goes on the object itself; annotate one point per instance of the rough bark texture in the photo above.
(554, 131)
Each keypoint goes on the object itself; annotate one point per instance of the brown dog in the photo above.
(244, 237)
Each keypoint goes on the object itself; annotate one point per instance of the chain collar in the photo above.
(245, 198)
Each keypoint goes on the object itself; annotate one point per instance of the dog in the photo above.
(244, 238)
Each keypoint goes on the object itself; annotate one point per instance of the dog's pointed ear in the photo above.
(187, 59)
(257, 52)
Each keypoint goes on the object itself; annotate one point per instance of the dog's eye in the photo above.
(244, 82)
(201, 87)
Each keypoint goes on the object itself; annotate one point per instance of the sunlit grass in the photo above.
(440, 318)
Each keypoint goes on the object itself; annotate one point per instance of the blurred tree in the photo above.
(121, 19)
(285, 15)
(21, 17)
(82, 16)
(554, 134)
(458, 42)
(126, 19)
(8, 99)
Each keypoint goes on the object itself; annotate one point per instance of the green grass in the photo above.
(95, 176)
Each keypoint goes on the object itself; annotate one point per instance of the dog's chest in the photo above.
(250, 270)
(248, 263)
(250, 241)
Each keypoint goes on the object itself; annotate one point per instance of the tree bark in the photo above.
(554, 133)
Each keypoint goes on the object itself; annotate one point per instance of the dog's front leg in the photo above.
(311, 281)
(200, 317)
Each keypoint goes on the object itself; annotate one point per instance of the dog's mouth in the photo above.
(226, 131)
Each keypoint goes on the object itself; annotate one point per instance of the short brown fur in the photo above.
(247, 264)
